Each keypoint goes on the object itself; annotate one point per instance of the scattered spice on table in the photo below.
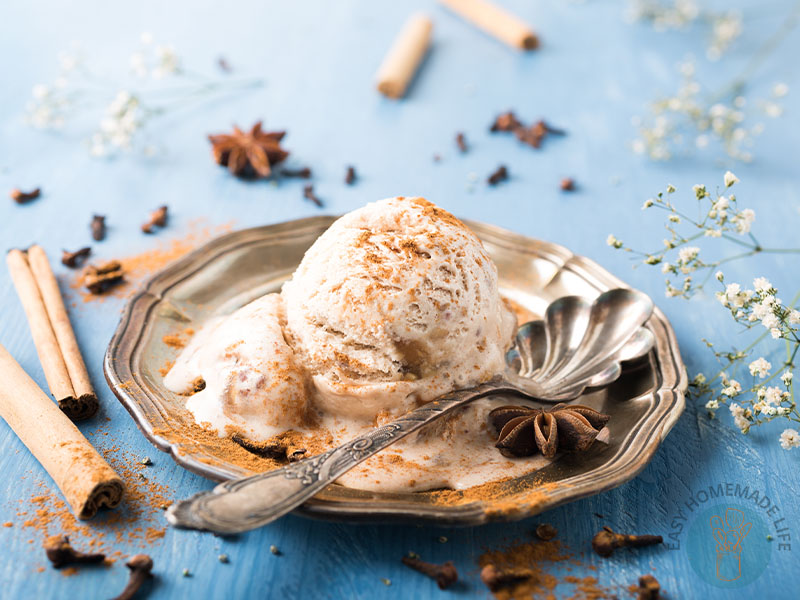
(350, 176)
(158, 218)
(99, 278)
(648, 588)
(533, 135)
(224, 65)
(546, 532)
(21, 197)
(461, 142)
(606, 541)
(567, 184)
(501, 174)
(304, 173)
(444, 575)
(308, 194)
(98, 227)
(141, 567)
(74, 259)
(249, 154)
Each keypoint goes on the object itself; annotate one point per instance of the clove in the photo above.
(350, 176)
(461, 142)
(21, 197)
(567, 184)
(73, 259)
(308, 194)
(445, 574)
(501, 174)
(140, 566)
(60, 553)
(495, 579)
(304, 173)
(98, 227)
(546, 532)
(158, 218)
(649, 588)
(607, 540)
(101, 277)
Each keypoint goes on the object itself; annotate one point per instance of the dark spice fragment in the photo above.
(437, 158)
(276, 449)
(532, 136)
(501, 174)
(308, 194)
(350, 177)
(158, 218)
(60, 553)
(649, 588)
(444, 575)
(98, 227)
(21, 197)
(495, 579)
(567, 184)
(73, 259)
(506, 121)
(607, 540)
(546, 532)
(461, 142)
(223, 64)
(99, 278)
(141, 566)
(304, 173)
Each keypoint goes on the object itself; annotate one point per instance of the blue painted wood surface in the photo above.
(592, 74)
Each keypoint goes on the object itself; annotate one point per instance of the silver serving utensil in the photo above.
(579, 344)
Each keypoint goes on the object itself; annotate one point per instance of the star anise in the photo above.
(523, 430)
(250, 154)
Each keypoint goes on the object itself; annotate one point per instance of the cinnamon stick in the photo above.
(404, 57)
(495, 21)
(52, 332)
(83, 476)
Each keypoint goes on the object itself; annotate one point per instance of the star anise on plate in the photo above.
(249, 154)
(522, 430)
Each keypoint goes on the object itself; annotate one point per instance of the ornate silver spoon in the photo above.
(578, 344)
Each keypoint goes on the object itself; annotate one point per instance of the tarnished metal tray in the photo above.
(231, 270)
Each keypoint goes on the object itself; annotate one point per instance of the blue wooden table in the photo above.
(592, 74)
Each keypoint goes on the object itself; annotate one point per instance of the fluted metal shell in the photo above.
(580, 344)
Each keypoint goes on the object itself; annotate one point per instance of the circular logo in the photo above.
(727, 545)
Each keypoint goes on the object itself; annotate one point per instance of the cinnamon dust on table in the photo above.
(138, 267)
(541, 562)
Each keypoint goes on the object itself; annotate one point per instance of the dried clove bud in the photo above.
(567, 184)
(495, 579)
(60, 553)
(506, 121)
(607, 540)
(73, 259)
(461, 142)
(224, 65)
(445, 574)
(350, 177)
(100, 278)
(546, 532)
(98, 226)
(308, 194)
(158, 218)
(304, 173)
(275, 449)
(21, 197)
(649, 588)
(141, 566)
(501, 174)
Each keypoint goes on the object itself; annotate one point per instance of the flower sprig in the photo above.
(762, 393)
(122, 110)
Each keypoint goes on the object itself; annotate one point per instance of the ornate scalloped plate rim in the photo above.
(659, 420)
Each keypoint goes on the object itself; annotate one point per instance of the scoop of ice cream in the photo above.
(252, 380)
(397, 302)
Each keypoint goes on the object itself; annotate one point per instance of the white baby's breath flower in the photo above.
(779, 90)
(762, 285)
(786, 378)
(647, 203)
(666, 268)
(719, 276)
(613, 241)
(760, 367)
(776, 333)
(730, 179)
(732, 389)
(790, 438)
(688, 254)
(770, 321)
(712, 405)
(773, 395)
(744, 220)
(794, 317)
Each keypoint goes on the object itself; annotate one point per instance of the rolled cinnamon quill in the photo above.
(401, 63)
(52, 332)
(495, 21)
(83, 476)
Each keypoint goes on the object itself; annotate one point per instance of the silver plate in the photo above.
(230, 271)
